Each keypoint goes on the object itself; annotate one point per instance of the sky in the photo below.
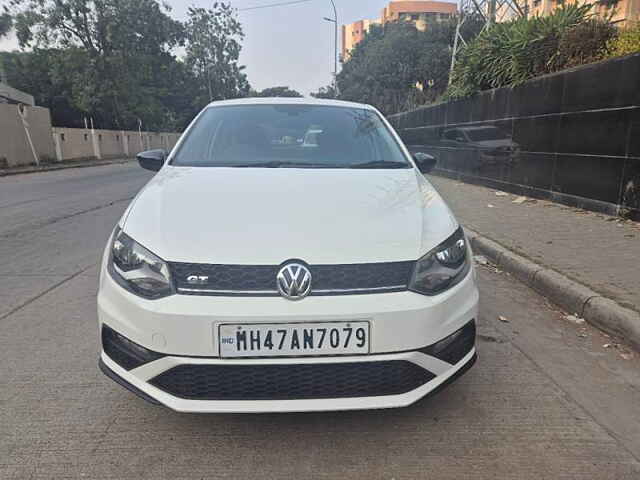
(289, 45)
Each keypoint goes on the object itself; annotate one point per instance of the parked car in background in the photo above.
(480, 147)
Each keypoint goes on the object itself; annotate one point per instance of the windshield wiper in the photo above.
(380, 164)
(281, 163)
(271, 164)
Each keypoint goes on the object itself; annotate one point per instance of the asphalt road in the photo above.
(544, 401)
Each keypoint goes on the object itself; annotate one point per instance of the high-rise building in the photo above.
(418, 12)
(353, 34)
(621, 12)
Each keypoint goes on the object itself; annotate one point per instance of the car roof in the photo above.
(289, 101)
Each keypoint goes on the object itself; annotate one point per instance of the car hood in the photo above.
(267, 216)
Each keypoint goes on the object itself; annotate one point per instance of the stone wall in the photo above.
(572, 137)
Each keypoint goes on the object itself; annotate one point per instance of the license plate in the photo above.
(293, 339)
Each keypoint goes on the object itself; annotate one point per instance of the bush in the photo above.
(627, 41)
(507, 54)
(584, 43)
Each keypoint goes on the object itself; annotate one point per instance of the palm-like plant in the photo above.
(509, 53)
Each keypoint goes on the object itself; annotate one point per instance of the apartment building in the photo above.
(354, 33)
(419, 12)
(621, 11)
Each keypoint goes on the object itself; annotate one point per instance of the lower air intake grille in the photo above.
(294, 381)
(453, 348)
(123, 351)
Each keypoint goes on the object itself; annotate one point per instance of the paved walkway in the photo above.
(596, 250)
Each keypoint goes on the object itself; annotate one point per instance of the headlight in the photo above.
(137, 269)
(442, 267)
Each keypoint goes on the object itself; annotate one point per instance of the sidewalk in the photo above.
(60, 166)
(595, 250)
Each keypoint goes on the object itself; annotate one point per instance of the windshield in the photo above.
(290, 136)
(488, 133)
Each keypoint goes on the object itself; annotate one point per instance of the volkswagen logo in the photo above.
(294, 281)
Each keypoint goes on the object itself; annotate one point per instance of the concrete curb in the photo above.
(61, 166)
(568, 294)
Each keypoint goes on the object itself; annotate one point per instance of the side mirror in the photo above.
(152, 159)
(424, 161)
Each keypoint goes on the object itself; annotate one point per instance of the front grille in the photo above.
(292, 381)
(261, 279)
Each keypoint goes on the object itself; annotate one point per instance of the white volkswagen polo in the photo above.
(289, 255)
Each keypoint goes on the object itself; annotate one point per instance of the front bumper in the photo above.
(287, 384)
(179, 361)
(154, 395)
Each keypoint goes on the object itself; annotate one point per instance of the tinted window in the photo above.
(451, 134)
(289, 135)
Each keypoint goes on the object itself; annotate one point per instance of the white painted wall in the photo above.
(26, 138)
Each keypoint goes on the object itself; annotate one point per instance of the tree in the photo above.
(434, 63)
(398, 67)
(277, 92)
(5, 27)
(213, 49)
(113, 59)
(328, 92)
(44, 74)
(5, 24)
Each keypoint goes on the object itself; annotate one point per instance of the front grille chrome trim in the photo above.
(228, 292)
(203, 291)
(371, 289)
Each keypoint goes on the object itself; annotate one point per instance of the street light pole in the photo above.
(335, 42)
(334, 20)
